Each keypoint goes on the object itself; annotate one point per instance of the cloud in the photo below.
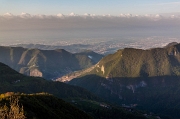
(73, 14)
(60, 15)
(86, 15)
(8, 15)
(25, 15)
(89, 25)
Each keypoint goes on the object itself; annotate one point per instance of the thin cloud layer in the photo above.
(88, 25)
(27, 15)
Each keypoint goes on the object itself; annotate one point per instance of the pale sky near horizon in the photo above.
(100, 7)
(42, 21)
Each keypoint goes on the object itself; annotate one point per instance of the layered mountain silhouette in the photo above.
(12, 81)
(43, 105)
(149, 79)
(73, 48)
(49, 64)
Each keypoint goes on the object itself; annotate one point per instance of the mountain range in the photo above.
(131, 62)
(12, 81)
(74, 48)
(147, 79)
(49, 64)
(44, 105)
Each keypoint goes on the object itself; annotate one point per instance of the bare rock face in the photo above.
(36, 73)
(31, 72)
(102, 69)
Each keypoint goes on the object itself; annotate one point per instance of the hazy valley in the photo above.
(99, 45)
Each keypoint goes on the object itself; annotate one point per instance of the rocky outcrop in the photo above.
(36, 73)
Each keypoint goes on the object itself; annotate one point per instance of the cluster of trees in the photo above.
(13, 111)
(38, 105)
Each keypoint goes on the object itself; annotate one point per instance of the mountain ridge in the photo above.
(49, 64)
(12, 81)
(131, 62)
(148, 78)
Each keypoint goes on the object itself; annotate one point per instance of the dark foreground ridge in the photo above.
(40, 105)
(44, 106)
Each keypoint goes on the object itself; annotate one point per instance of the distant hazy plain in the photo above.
(44, 29)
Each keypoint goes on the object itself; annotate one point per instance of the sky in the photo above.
(35, 20)
(100, 7)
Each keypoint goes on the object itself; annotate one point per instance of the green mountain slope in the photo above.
(149, 79)
(49, 64)
(131, 62)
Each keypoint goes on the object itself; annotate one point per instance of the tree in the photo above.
(14, 111)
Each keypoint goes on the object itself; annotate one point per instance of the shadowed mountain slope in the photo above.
(47, 106)
(49, 64)
(12, 81)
